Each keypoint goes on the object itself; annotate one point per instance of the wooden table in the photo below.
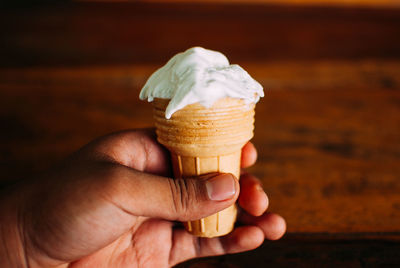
(327, 131)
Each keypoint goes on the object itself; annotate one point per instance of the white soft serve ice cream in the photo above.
(202, 76)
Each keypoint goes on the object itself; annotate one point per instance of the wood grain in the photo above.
(122, 33)
(290, 252)
(333, 159)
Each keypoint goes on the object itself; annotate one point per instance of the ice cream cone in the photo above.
(204, 140)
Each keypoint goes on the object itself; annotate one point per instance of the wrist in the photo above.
(12, 250)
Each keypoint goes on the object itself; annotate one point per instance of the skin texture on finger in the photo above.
(273, 225)
(185, 246)
(243, 238)
(166, 198)
(252, 199)
(249, 155)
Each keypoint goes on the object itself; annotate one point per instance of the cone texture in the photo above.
(204, 140)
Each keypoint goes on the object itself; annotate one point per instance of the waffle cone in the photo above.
(204, 140)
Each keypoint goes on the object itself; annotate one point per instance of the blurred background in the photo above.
(327, 131)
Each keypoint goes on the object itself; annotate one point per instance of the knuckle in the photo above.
(183, 196)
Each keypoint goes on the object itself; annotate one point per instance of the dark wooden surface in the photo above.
(306, 252)
(109, 33)
(327, 131)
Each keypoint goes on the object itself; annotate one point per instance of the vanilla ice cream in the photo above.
(202, 76)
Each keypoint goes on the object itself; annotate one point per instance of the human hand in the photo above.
(114, 203)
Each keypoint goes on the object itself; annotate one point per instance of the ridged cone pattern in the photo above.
(198, 131)
(204, 140)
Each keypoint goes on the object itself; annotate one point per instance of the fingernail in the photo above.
(221, 187)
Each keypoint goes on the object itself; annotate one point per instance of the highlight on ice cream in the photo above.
(202, 76)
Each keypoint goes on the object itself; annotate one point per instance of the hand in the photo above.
(114, 204)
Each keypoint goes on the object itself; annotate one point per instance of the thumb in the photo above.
(144, 194)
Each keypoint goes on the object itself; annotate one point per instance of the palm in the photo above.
(148, 245)
(158, 243)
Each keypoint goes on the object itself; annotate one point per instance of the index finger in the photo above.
(137, 149)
